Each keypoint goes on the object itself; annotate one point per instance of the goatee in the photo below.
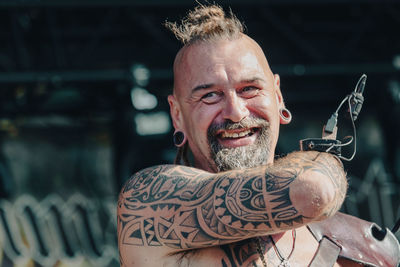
(241, 157)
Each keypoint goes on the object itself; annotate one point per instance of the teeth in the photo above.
(235, 135)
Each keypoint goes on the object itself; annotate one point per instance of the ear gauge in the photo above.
(285, 115)
(179, 138)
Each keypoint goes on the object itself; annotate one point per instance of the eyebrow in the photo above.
(255, 79)
(202, 87)
(209, 85)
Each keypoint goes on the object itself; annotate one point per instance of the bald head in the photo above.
(195, 53)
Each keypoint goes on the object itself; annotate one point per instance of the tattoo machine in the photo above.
(328, 142)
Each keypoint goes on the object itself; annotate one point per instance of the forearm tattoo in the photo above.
(188, 208)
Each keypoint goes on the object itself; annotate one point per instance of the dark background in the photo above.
(69, 129)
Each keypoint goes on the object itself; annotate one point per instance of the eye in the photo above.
(249, 91)
(211, 97)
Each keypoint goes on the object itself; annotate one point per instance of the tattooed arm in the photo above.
(177, 207)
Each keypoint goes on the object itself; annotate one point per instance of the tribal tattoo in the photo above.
(242, 253)
(186, 208)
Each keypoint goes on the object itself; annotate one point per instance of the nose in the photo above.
(235, 108)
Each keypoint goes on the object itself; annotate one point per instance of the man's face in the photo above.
(226, 102)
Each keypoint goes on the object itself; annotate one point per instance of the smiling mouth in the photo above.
(238, 134)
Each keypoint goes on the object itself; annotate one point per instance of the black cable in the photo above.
(354, 102)
(396, 226)
(332, 123)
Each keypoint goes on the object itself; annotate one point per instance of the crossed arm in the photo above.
(183, 208)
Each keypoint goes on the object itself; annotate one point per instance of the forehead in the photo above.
(220, 62)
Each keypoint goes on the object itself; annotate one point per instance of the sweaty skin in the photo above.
(172, 215)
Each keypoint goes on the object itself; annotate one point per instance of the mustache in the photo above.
(246, 123)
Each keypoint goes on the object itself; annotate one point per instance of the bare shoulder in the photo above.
(148, 209)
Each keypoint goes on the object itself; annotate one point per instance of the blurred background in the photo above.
(83, 89)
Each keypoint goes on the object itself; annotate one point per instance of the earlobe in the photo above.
(285, 115)
(179, 138)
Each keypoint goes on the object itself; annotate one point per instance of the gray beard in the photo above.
(245, 156)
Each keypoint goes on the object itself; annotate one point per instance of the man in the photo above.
(237, 206)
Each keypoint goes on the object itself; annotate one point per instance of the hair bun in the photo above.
(205, 23)
(205, 14)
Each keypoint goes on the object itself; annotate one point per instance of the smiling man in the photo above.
(236, 206)
(227, 103)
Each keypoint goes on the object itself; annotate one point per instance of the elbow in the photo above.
(320, 197)
(328, 200)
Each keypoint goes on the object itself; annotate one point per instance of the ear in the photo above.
(284, 114)
(278, 94)
(176, 113)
